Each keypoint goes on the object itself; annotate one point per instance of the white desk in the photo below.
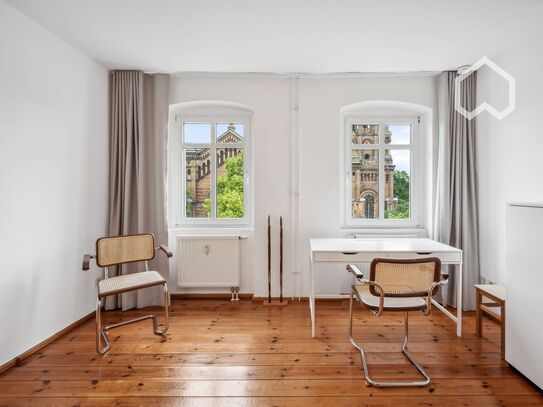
(359, 251)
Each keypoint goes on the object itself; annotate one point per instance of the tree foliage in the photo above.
(188, 208)
(229, 190)
(401, 191)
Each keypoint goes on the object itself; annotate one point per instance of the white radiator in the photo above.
(208, 261)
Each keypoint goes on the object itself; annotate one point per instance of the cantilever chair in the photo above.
(396, 285)
(112, 251)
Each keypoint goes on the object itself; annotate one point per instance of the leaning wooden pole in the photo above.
(269, 302)
(281, 259)
(269, 260)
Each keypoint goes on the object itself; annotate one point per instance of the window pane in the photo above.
(365, 134)
(398, 134)
(230, 132)
(197, 182)
(230, 176)
(197, 132)
(397, 182)
(365, 184)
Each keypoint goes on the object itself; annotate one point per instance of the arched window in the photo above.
(210, 134)
(389, 158)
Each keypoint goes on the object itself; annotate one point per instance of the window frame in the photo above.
(177, 167)
(416, 168)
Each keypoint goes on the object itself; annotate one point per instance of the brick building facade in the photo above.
(365, 173)
(198, 172)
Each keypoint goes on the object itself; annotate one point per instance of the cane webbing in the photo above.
(404, 279)
(124, 249)
(129, 282)
(389, 303)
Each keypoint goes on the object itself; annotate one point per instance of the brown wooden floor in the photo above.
(219, 353)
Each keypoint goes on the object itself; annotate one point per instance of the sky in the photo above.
(200, 133)
(401, 134)
(401, 158)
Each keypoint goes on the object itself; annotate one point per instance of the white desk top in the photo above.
(380, 245)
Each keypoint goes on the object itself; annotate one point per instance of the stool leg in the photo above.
(479, 314)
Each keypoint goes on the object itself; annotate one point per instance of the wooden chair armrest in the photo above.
(351, 268)
(86, 261)
(360, 277)
(434, 285)
(165, 249)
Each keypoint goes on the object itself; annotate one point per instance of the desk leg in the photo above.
(459, 301)
(312, 295)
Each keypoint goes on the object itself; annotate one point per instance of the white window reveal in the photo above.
(380, 161)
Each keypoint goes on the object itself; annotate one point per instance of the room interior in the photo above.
(314, 202)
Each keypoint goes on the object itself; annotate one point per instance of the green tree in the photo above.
(207, 207)
(188, 207)
(229, 190)
(401, 191)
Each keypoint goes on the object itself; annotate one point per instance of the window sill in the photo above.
(187, 228)
(391, 230)
(383, 224)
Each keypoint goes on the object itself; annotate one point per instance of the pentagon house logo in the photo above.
(485, 61)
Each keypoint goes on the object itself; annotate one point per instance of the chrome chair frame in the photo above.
(101, 332)
(428, 303)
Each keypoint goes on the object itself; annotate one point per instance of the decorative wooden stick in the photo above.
(269, 302)
(281, 259)
(269, 260)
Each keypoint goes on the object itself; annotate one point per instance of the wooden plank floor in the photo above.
(219, 353)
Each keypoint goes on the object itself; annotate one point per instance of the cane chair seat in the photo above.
(129, 282)
(390, 303)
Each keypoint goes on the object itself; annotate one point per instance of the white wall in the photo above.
(320, 104)
(509, 152)
(318, 130)
(270, 99)
(53, 181)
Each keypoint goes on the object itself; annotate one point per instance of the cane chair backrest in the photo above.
(405, 277)
(115, 250)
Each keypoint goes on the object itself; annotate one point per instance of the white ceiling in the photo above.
(313, 36)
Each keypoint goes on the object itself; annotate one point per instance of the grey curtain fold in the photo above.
(456, 214)
(139, 106)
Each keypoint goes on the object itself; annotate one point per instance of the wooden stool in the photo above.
(496, 293)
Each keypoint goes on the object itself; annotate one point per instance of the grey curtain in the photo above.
(456, 217)
(139, 106)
